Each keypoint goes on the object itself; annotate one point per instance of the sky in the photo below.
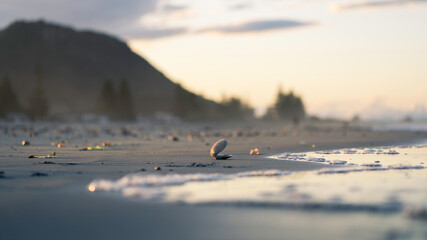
(343, 57)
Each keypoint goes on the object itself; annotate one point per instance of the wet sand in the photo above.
(59, 206)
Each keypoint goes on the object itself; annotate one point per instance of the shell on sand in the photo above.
(218, 147)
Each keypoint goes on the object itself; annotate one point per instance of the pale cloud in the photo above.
(106, 15)
(241, 6)
(120, 18)
(155, 33)
(375, 4)
(174, 8)
(257, 26)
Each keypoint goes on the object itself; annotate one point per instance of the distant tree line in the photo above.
(191, 107)
(117, 104)
(287, 107)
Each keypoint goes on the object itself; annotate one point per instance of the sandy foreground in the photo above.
(59, 206)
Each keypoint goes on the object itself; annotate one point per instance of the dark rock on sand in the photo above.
(174, 165)
(157, 168)
(68, 164)
(47, 162)
(39, 174)
(201, 165)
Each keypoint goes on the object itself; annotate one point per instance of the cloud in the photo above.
(144, 19)
(241, 6)
(174, 8)
(155, 33)
(120, 18)
(257, 26)
(373, 4)
(99, 14)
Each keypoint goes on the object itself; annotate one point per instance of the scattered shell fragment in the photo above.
(97, 147)
(255, 151)
(42, 156)
(217, 148)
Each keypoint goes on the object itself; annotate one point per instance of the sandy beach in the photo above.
(56, 204)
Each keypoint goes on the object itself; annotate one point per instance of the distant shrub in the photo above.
(287, 107)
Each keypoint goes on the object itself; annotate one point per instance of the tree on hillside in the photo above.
(234, 109)
(124, 102)
(8, 100)
(38, 107)
(107, 100)
(185, 105)
(288, 106)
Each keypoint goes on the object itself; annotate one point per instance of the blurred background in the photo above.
(234, 60)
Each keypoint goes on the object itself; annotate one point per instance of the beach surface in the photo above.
(48, 198)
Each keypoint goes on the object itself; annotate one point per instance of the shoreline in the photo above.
(75, 169)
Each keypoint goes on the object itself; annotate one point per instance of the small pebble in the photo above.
(157, 168)
(25, 143)
(173, 138)
(142, 170)
(377, 161)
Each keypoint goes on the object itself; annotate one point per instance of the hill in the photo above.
(76, 64)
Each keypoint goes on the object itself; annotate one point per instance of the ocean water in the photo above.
(367, 185)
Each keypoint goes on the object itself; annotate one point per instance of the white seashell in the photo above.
(217, 148)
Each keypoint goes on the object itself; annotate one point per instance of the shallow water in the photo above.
(378, 181)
